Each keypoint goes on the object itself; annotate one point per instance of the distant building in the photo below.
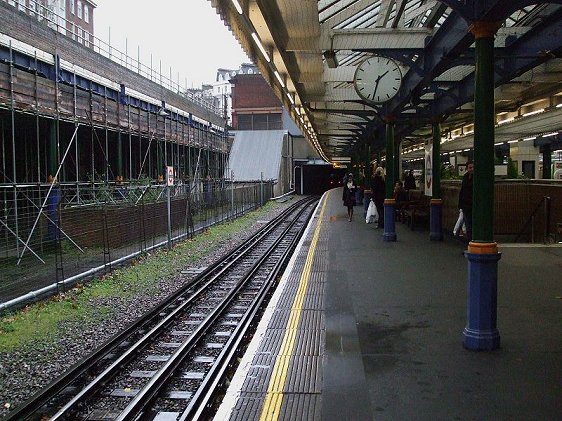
(255, 106)
(74, 18)
(219, 92)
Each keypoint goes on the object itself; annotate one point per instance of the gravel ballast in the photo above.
(26, 370)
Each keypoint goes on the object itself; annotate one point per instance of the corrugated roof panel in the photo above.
(256, 152)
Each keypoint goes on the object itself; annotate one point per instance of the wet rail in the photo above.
(171, 363)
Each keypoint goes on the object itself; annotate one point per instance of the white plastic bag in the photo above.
(371, 213)
(460, 222)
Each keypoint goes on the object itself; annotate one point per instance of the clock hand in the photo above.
(376, 86)
(378, 79)
(384, 74)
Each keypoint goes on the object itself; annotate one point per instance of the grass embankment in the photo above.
(39, 322)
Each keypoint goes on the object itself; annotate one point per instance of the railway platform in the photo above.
(363, 329)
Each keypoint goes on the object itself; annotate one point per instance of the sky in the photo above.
(187, 35)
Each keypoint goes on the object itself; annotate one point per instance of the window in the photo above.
(260, 122)
(79, 7)
(21, 4)
(244, 122)
(86, 14)
(72, 7)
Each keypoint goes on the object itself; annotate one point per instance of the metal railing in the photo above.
(530, 223)
(50, 242)
(46, 14)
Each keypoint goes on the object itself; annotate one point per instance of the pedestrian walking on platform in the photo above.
(465, 198)
(379, 192)
(348, 198)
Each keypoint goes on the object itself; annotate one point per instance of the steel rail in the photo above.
(130, 353)
(152, 388)
(42, 398)
(202, 398)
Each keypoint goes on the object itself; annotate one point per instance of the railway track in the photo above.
(172, 363)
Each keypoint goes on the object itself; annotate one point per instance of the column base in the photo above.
(389, 222)
(481, 340)
(435, 226)
(481, 332)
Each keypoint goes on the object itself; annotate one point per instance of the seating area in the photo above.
(414, 212)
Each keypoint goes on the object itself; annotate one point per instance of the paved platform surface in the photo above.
(362, 329)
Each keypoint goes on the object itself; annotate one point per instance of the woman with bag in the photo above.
(349, 188)
(378, 189)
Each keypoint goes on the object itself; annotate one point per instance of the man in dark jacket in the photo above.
(465, 198)
(410, 181)
(378, 191)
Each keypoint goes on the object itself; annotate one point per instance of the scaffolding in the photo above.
(83, 163)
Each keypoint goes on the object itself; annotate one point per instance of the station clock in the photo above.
(377, 79)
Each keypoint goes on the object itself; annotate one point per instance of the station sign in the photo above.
(169, 176)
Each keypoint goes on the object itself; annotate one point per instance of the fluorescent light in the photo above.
(530, 138)
(278, 76)
(297, 111)
(513, 141)
(559, 105)
(290, 98)
(550, 134)
(533, 113)
(237, 5)
(509, 120)
(260, 46)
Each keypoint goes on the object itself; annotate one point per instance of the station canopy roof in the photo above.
(308, 51)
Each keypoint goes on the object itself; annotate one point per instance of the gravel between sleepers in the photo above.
(25, 371)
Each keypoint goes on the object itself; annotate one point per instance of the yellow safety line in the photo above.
(274, 398)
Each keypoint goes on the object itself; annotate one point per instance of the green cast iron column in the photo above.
(396, 172)
(483, 187)
(389, 158)
(436, 159)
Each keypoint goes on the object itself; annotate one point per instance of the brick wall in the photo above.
(515, 201)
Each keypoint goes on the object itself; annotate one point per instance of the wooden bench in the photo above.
(416, 210)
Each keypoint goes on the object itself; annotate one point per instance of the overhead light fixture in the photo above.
(331, 59)
(278, 76)
(237, 6)
(260, 46)
(533, 112)
(290, 98)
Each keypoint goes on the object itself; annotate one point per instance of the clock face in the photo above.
(377, 79)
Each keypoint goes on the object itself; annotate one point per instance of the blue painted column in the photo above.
(481, 331)
(389, 202)
(436, 204)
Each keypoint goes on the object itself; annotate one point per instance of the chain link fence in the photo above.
(54, 235)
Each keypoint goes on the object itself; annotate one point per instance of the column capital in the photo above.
(484, 29)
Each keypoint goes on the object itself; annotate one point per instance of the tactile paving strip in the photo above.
(303, 384)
